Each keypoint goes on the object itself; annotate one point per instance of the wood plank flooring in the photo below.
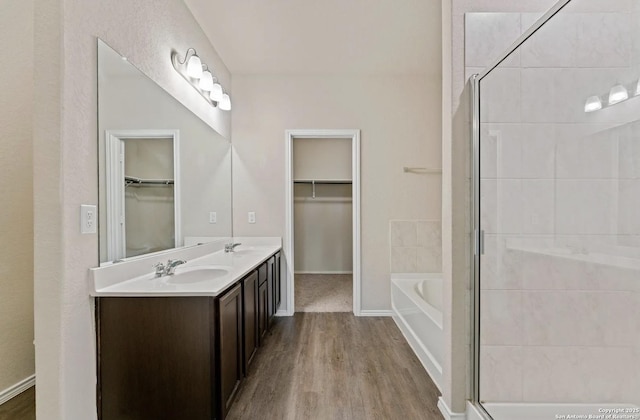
(20, 407)
(336, 366)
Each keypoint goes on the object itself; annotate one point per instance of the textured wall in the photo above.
(16, 189)
(65, 168)
(399, 128)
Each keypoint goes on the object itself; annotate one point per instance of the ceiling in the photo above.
(318, 37)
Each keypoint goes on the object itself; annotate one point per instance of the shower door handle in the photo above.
(478, 239)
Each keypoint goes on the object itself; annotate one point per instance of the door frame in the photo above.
(354, 136)
(114, 147)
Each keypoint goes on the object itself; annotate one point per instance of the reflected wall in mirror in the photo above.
(162, 170)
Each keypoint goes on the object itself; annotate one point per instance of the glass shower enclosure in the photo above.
(556, 210)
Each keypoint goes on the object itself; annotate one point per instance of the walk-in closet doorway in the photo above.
(322, 241)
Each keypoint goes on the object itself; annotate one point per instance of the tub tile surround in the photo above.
(560, 191)
(415, 246)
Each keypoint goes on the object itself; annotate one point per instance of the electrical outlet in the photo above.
(213, 217)
(88, 218)
(252, 217)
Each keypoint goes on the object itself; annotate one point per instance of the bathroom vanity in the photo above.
(179, 346)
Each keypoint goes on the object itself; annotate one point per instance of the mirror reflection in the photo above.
(164, 173)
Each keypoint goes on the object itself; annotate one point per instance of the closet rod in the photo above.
(132, 180)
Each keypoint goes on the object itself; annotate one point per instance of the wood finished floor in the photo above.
(331, 366)
(20, 407)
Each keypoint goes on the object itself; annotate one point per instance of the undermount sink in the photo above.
(197, 274)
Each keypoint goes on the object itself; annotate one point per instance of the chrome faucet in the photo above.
(159, 269)
(230, 246)
(171, 266)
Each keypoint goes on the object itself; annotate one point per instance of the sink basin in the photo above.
(197, 274)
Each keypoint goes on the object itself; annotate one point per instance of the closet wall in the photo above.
(322, 206)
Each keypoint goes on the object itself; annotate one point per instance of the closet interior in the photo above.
(323, 225)
(149, 195)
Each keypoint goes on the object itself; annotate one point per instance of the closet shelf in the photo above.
(322, 181)
(135, 181)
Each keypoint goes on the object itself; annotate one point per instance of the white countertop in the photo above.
(232, 266)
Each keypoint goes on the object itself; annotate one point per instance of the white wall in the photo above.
(399, 119)
(17, 358)
(65, 171)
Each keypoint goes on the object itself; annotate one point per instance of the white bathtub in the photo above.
(416, 300)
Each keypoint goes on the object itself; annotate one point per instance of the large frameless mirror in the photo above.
(164, 174)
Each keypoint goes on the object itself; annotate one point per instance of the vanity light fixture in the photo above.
(593, 104)
(617, 94)
(200, 78)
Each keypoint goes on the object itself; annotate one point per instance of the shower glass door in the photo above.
(557, 179)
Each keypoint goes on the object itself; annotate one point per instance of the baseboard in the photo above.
(447, 413)
(16, 389)
(373, 312)
(282, 312)
(324, 272)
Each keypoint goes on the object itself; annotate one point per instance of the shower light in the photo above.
(225, 103)
(593, 104)
(194, 71)
(618, 93)
(206, 81)
(216, 92)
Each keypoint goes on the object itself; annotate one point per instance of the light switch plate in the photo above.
(213, 217)
(88, 218)
(252, 217)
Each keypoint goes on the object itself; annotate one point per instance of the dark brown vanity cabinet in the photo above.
(180, 357)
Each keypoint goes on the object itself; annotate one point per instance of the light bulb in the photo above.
(216, 92)
(225, 103)
(618, 93)
(593, 104)
(206, 81)
(194, 67)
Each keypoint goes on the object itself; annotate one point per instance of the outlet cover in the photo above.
(88, 219)
(252, 217)
(213, 217)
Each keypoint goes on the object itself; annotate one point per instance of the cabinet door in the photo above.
(270, 285)
(230, 344)
(155, 358)
(263, 311)
(250, 299)
(278, 284)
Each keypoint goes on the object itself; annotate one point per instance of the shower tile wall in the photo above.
(416, 246)
(561, 205)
